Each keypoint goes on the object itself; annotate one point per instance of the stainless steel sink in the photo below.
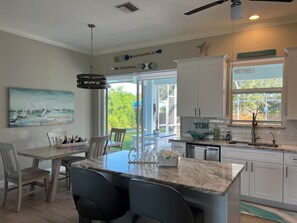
(263, 144)
(253, 144)
(238, 142)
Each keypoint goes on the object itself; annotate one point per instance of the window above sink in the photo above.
(257, 83)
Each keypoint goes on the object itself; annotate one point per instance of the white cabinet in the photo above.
(202, 86)
(263, 174)
(290, 178)
(187, 88)
(245, 174)
(291, 71)
(266, 181)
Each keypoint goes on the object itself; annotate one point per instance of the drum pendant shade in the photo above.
(91, 78)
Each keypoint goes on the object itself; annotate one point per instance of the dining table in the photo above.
(55, 154)
(208, 185)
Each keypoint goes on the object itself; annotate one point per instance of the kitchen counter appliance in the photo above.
(203, 152)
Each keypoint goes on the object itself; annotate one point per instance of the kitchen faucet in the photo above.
(253, 130)
(273, 141)
(254, 124)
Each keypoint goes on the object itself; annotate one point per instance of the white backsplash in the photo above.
(286, 135)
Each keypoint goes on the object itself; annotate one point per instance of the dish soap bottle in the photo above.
(228, 135)
(216, 133)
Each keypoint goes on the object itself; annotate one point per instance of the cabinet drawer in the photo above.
(253, 154)
(290, 159)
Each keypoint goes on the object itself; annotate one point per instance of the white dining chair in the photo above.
(57, 137)
(20, 177)
(118, 135)
(98, 146)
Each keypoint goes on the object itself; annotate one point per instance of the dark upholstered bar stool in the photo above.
(95, 197)
(161, 203)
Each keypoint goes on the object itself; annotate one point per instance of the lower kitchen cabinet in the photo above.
(263, 173)
(290, 178)
(245, 175)
(266, 181)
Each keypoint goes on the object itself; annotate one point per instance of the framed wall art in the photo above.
(36, 107)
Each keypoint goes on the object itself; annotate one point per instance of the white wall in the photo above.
(31, 64)
(275, 37)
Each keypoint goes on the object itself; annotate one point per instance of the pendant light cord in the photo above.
(91, 26)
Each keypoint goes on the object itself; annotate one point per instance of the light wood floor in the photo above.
(34, 209)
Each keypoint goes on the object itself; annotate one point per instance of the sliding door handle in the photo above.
(246, 166)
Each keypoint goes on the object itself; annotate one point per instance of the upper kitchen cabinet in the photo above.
(291, 70)
(202, 87)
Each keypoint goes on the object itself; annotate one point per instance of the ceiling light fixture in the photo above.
(254, 17)
(91, 78)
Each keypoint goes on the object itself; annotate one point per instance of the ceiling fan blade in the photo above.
(271, 0)
(205, 7)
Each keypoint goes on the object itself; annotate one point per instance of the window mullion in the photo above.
(257, 90)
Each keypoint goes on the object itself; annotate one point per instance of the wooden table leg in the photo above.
(56, 163)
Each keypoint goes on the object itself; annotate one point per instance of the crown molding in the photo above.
(7, 29)
(203, 34)
(162, 41)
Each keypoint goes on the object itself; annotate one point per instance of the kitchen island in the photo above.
(211, 186)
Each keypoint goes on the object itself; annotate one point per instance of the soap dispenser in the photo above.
(228, 135)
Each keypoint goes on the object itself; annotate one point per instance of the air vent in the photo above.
(127, 7)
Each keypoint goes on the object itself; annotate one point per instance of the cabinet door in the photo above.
(290, 184)
(187, 88)
(245, 175)
(291, 66)
(212, 86)
(266, 181)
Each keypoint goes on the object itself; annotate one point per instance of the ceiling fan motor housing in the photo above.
(236, 10)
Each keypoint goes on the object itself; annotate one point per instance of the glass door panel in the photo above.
(122, 109)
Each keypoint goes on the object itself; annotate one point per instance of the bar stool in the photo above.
(161, 203)
(95, 197)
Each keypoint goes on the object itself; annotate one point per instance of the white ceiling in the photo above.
(64, 22)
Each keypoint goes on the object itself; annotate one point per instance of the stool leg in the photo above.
(134, 218)
(84, 220)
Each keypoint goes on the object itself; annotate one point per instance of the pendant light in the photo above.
(91, 78)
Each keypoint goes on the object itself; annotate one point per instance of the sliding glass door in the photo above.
(144, 104)
(121, 107)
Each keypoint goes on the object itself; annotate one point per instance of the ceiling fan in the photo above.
(236, 11)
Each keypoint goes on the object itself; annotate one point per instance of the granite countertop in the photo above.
(282, 147)
(204, 176)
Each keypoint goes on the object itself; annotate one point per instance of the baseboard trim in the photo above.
(269, 203)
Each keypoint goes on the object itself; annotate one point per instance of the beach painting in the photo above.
(35, 107)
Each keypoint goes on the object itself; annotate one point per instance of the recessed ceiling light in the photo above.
(254, 17)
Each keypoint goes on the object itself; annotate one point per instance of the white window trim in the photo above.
(280, 124)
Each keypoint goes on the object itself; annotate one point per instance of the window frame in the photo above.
(255, 62)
